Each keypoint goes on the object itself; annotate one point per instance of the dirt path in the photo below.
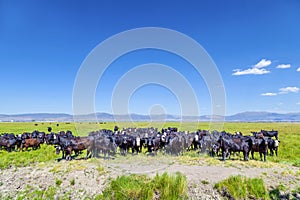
(92, 176)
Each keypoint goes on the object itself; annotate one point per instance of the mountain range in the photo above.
(239, 117)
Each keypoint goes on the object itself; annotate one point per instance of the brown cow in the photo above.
(79, 144)
(31, 142)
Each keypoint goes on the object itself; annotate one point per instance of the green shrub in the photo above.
(163, 186)
(240, 187)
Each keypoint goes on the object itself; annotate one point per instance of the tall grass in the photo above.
(241, 187)
(133, 186)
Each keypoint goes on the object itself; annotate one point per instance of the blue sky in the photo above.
(255, 45)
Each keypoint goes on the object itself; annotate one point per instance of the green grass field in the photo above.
(289, 136)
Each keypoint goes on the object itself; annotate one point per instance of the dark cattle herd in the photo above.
(107, 143)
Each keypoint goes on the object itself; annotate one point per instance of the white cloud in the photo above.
(288, 90)
(298, 70)
(285, 90)
(263, 63)
(298, 103)
(269, 94)
(255, 69)
(283, 66)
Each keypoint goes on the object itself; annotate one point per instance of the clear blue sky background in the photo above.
(255, 44)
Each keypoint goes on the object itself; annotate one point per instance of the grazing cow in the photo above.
(49, 129)
(259, 145)
(235, 144)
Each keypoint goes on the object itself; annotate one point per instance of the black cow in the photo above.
(206, 144)
(273, 146)
(271, 133)
(153, 144)
(50, 138)
(259, 145)
(125, 142)
(49, 129)
(67, 145)
(116, 128)
(235, 144)
(41, 136)
(105, 145)
(176, 144)
(8, 141)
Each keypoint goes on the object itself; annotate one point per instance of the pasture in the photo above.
(289, 136)
(285, 167)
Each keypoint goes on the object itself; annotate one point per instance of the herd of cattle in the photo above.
(147, 140)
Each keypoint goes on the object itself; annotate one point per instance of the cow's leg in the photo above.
(70, 154)
(252, 155)
(224, 155)
(271, 152)
(260, 154)
(246, 155)
(63, 155)
(87, 154)
(276, 149)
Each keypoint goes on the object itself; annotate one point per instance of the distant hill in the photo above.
(239, 117)
(263, 116)
(37, 117)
